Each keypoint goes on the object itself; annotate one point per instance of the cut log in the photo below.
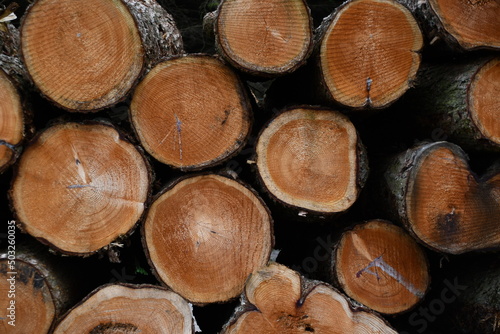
(432, 190)
(87, 56)
(278, 300)
(312, 159)
(11, 121)
(36, 284)
(462, 100)
(264, 38)
(379, 265)
(369, 53)
(207, 227)
(79, 187)
(126, 308)
(191, 112)
(465, 25)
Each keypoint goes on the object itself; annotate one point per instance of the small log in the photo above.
(312, 159)
(11, 121)
(379, 265)
(86, 56)
(369, 53)
(462, 100)
(207, 227)
(279, 300)
(462, 25)
(431, 189)
(264, 38)
(37, 287)
(127, 308)
(79, 187)
(191, 112)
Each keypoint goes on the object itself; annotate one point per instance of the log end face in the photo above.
(207, 226)
(83, 56)
(484, 101)
(382, 267)
(266, 38)
(308, 158)
(449, 208)
(365, 63)
(191, 112)
(474, 24)
(80, 187)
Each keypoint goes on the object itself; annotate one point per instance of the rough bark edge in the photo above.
(159, 35)
(171, 184)
(440, 99)
(400, 171)
(433, 27)
(362, 173)
(307, 286)
(244, 95)
(60, 281)
(210, 22)
(110, 250)
(333, 261)
(322, 93)
(127, 285)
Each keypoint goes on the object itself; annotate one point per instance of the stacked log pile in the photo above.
(250, 166)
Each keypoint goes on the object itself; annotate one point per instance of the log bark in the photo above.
(127, 308)
(207, 226)
(362, 62)
(81, 60)
(79, 187)
(431, 189)
(379, 265)
(278, 300)
(461, 100)
(312, 159)
(263, 38)
(41, 287)
(461, 25)
(191, 112)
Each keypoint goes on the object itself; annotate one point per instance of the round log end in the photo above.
(484, 100)
(309, 158)
(191, 112)
(207, 226)
(80, 187)
(129, 309)
(381, 266)
(11, 120)
(474, 23)
(264, 37)
(370, 53)
(83, 56)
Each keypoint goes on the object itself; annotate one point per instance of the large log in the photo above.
(126, 308)
(431, 189)
(205, 234)
(463, 25)
(279, 300)
(263, 38)
(369, 53)
(79, 187)
(87, 56)
(312, 159)
(191, 112)
(379, 265)
(461, 100)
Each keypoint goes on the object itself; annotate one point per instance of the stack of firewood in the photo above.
(370, 138)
